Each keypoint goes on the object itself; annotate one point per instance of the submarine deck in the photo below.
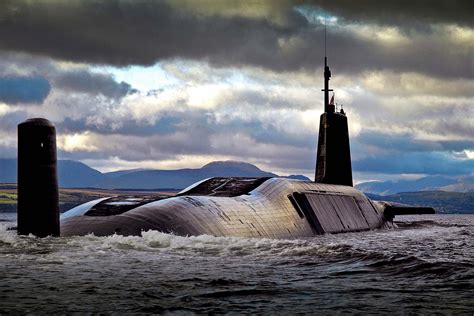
(218, 186)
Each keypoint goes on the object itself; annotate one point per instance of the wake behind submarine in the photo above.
(240, 206)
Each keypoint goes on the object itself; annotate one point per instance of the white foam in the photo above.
(383, 242)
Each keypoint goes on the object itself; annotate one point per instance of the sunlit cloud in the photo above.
(76, 142)
(458, 34)
(384, 35)
(4, 109)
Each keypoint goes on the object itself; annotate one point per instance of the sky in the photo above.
(180, 83)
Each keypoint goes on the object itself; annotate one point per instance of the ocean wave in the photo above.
(206, 245)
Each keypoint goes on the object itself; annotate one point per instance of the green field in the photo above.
(7, 198)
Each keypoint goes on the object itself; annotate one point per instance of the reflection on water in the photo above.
(424, 266)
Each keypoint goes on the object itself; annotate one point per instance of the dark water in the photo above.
(423, 267)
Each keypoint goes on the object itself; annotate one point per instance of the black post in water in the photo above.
(38, 210)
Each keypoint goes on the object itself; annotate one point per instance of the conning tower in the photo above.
(333, 161)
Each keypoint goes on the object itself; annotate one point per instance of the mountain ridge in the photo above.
(75, 174)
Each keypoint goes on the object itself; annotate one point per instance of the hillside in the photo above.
(443, 202)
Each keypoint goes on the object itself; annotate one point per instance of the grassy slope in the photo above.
(443, 202)
(7, 198)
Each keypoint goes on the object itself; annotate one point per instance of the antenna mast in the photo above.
(327, 76)
(325, 36)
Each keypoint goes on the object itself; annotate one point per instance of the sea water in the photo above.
(425, 266)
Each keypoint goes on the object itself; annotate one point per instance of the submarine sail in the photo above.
(333, 164)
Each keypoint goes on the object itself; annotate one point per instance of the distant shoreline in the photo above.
(443, 202)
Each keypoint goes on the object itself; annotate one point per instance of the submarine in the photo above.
(220, 206)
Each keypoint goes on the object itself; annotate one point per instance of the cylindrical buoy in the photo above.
(38, 208)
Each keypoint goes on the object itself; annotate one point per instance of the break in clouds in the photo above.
(242, 82)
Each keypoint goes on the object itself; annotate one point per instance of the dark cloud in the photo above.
(442, 152)
(122, 33)
(417, 163)
(25, 90)
(78, 79)
(463, 125)
(395, 143)
(166, 125)
(459, 145)
(92, 83)
(406, 143)
(401, 12)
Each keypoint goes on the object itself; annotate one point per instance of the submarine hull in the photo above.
(275, 208)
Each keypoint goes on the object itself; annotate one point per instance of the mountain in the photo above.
(70, 173)
(75, 174)
(443, 202)
(181, 178)
(465, 184)
(430, 183)
(118, 173)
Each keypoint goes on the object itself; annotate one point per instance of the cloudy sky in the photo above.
(180, 83)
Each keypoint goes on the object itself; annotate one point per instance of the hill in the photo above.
(443, 202)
